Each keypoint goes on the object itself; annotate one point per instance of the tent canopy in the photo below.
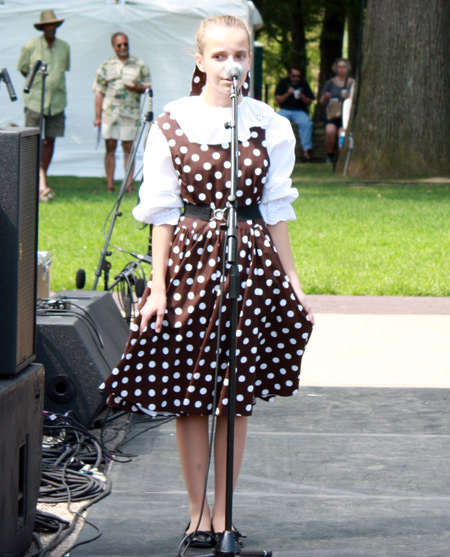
(161, 32)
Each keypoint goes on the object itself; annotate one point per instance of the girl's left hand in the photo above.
(304, 301)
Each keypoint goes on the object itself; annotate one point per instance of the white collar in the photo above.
(203, 123)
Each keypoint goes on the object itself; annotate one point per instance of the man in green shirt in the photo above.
(56, 54)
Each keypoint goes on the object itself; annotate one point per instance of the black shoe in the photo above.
(201, 538)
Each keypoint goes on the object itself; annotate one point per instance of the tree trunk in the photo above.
(354, 27)
(298, 37)
(402, 120)
(330, 44)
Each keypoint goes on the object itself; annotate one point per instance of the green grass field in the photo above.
(351, 237)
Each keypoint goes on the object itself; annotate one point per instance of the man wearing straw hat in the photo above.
(56, 54)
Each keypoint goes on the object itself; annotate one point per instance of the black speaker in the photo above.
(79, 340)
(21, 418)
(19, 189)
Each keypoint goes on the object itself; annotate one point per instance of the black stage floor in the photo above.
(331, 472)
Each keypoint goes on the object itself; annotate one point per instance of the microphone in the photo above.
(234, 70)
(5, 76)
(29, 82)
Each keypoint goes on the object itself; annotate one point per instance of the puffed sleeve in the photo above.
(159, 195)
(278, 192)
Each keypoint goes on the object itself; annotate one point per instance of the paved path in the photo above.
(379, 341)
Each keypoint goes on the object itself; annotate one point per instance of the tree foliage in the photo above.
(291, 26)
(286, 24)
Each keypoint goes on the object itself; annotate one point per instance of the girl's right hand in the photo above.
(155, 305)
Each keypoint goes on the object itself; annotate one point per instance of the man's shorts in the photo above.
(53, 125)
(119, 132)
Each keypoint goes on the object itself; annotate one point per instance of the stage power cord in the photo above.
(75, 466)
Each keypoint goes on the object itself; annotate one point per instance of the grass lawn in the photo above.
(351, 237)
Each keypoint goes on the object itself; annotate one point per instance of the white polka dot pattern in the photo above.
(172, 373)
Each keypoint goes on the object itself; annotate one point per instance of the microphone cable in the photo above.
(58, 305)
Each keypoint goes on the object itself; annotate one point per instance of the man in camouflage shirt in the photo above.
(118, 84)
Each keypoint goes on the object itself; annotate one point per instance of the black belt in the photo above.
(204, 212)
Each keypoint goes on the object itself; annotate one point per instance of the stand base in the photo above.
(242, 553)
(228, 546)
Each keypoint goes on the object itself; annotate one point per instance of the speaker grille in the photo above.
(19, 174)
(28, 195)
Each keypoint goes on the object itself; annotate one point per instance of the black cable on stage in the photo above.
(105, 490)
(111, 415)
(47, 523)
(62, 535)
(160, 422)
(88, 317)
(71, 457)
(67, 474)
(68, 424)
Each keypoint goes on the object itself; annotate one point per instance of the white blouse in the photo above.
(159, 195)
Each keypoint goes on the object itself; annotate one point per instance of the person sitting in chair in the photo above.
(294, 96)
(334, 92)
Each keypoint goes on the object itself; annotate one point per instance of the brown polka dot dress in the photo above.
(176, 371)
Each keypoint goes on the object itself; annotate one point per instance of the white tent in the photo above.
(160, 31)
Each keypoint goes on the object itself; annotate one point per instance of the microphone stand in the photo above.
(227, 545)
(104, 265)
(39, 66)
(44, 73)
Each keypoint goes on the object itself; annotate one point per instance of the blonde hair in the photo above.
(220, 21)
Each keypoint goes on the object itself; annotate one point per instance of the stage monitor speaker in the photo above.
(78, 347)
(21, 418)
(19, 179)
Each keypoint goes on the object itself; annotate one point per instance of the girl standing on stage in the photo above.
(173, 362)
